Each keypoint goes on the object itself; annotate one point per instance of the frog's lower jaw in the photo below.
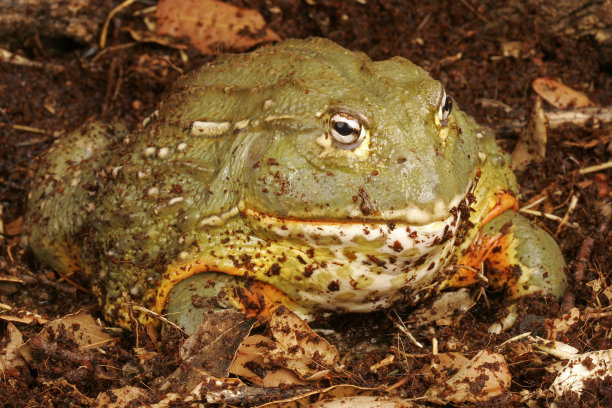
(317, 265)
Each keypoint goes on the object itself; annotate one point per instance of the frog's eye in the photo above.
(445, 106)
(346, 130)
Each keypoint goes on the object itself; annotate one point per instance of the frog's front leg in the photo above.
(516, 257)
(192, 298)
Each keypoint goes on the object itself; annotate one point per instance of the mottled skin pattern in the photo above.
(239, 191)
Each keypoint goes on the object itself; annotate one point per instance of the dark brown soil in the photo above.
(459, 42)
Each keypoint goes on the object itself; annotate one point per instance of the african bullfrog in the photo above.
(300, 174)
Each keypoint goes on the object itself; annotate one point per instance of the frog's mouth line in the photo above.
(396, 236)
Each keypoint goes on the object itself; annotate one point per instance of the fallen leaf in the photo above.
(298, 347)
(442, 364)
(444, 307)
(13, 228)
(580, 368)
(251, 364)
(210, 350)
(559, 95)
(563, 324)
(87, 333)
(365, 401)
(554, 348)
(23, 316)
(531, 146)
(10, 358)
(212, 26)
(122, 397)
(484, 377)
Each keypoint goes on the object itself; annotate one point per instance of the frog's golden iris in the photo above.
(302, 174)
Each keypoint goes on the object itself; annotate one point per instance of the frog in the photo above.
(301, 175)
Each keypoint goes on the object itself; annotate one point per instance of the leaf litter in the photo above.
(370, 350)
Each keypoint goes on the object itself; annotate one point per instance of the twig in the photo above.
(597, 167)
(473, 10)
(71, 290)
(599, 315)
(547, 215)
(109, 18)
(158, 316)
(10, 58)
(29, 129)
(579, 116)
(402, 328)
(399, 383)
(536, 202)
(582, 259)
(570, 209)
(52, 349)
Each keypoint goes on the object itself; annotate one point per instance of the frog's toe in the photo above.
(524, 260)
(192, 298)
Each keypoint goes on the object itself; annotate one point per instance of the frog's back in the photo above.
(64, 181)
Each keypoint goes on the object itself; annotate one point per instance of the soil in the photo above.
(460, 43)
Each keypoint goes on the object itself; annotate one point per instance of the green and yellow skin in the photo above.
(300, 174)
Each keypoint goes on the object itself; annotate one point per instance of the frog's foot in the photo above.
(515, 257)
(208, 292)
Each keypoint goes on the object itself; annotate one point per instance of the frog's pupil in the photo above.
(448, 105)
(343, 128)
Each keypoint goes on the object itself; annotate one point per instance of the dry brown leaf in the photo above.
(563, 324)
(365, 401)
(442, 364)
(595, 364)
(559, 95)
(444, 307)
(482, 378)
(87, 333)
(298, 347)
(250, 363)
(531, 146)
(13, 228)
(10, 358)
(122, 397)
(213, 26)
(23, 316)
(209, 351)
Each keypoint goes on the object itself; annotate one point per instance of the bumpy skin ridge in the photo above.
(137, 213)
